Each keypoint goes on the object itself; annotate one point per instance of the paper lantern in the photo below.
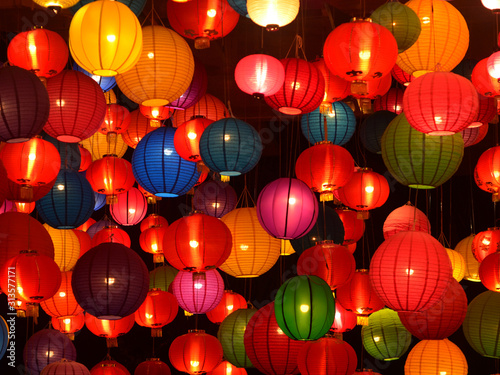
(484, 83)
(135, 6)
(489, 272)
(271, 14)
(164, 70)
(366, 371)
(156, 114)
(139, 126)
(65, 367)
(105, 38)
(418, 160)
(225, 367)
(195, 352)
(110, 329)
(215, 198)
(354, 227)
(259, 75)
(109, 367)
(302, 91)
(159, 168)
(158, 309)
(436, 357)
(56, 5)
(101, 275)
(406, 218)
(231, 336)
(491, 4)
(153, 220)
(111, 234)
(486, 112)
(69, 153)
(100, 145)
(457, 264)
(130, 208)
(161, 277)
(116, 120)
(401, 76)
(485, 243)
(187, 138)
(66, 247)
(152, 366)
(196, 90)
(106, 83)
(487, 169)
(391, 101)
(229, 303)
(62, 303)
(230, 147)
(268, 348)
(254, 251)
(208, 106)
(339, 355)
(84, 240)
(335, 88)
(344, 320)
(197, 242)
(464, 247)
(69, 325)
(240, 6)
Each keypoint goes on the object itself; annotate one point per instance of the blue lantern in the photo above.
(100, 201)
(4, 336)
(240, 6)
(159, 169)
(372, 129)
(135, 6)
(340, 124)
(69, 203)
(230, 147)
(69, 152)
(106, 83)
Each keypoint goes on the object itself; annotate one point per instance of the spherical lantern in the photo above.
(139, 126)
(197, 242)
(344, 320)
(86, 225)
(69, 325)
(152, 366)
(66, 247)
(302, 91)
(84, 240)
(392, 101)
(254, 251)
(240, 6)
(63, 302)
(116, 120)
(196, 90)
(335, 88)
(418, 160)
(158, 309)
(436, 357)
(65, 367)
(153, 220)
(164, 70)
(486, 172)
(109, 367)
(159, 168)
(443, 29)
(259, 75)
(486, 112)
(485, 243)
(40, 51)
(130, 208)
(410, 271)
(489, 272)
(110, 329)
(47, 346)
(485, 84)
(473, 136)
(332, 263)
(268, 348)
(105, 38)
(111, 234)
(198, 292)
(271, 14)
(106, 83)
(226, 367)
(101, 275)
(457, 264)
(325, 167)
(69, 204)
(215, 198)
(208, 106)
(304, 307)
(231, 336)
(354, 227)
(100, 145)
(135, 6)
(230, 147)
(161, 277)
(339, 355)
(405, 218)
(401, 76)
(229, 303)
(187, 138)
(464, 247)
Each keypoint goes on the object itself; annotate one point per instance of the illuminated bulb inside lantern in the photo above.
(109, 280)
(215, 205)
(304, 308)
(394, 24)
(67, 321)
(409, 271)
(32, 156)
(426, 20)
(49, 353)
(364, 55)
(229, 370)
(295, 85)
(211, 13)
(192, 135)
(198, 285)
(496, 174)
(151, 55)
(442, 372)
(154, 247)
(227, 137)
(193, 243)
(229, 307)
(369, 189)
(398, 108)
(32, 48)
(168, 151)
(149, 316)
(20, 289)
(376, 339)
(60, 103)
(280, 332)
(62, 294)
(111, 38)
(194, 363)
(292, 200)
(486, 241)
(60, 187)
(244, 247)
(131, 211)
(155, 113)
(331, 114)
(313, 238)
(438, 119)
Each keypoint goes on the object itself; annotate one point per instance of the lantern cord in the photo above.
(245, 197)
(324, 221)
(449, 213)
(442, 238)
(472, 221)
(152, 14)
(298, 43)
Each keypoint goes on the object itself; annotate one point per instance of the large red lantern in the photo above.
(487, 171)
(156, 114)
(62, 303)
(336, 88)
(108, 367)
(116, 120)
(259, 75)
(111, 233)
(372, 89)
(130, 207)
(485, 243)
(111, 176)
(158, 309)
(487, 110)
(187, 138)
(485, 84)
(401, 76)
(84, 240)
(229, 303)
(354, 227)
(110, 329)
(406, 218)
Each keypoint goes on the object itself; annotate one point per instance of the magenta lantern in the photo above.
(196, 90)
(130, 207)
(259, 75)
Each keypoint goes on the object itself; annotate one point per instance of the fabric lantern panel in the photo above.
(336, 88)
(229, 303)
(486, 172)
(110, 329)
(161, 277)
(485, 84)
(401, 76)
(472, 136)
(68, 152)
(344, 321)
(489, 272)
(208, 106)
(65, 367)
(111, 234)
(152, 366)
(226, 367)
(130, 208)
(271, 14)
(153, 220)
(196, 90)
(215, 198)
(116, 120)
(485, 243)
(158, 309)
(406, 218)
(391, 101)
(354, 227)
(135, 6)
(109, 367)
(372, 89)
(457, 264)
(69, 325)
(259, 75)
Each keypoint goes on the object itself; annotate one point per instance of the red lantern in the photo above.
(392, 101)
(157, 114)
(25, 207)
(86, 225)
(195, 352)
(489, 272)
(130, 207)
(230, 302)
(344, 320)
(158, 309)
(110, 329)
(372, 89)
(85, 158)
(84, 240)
(116, 119)
(474, 135)
(69, 324)
(111, 176)
(187, 138)
(487, 110)
(63, 302)
(139, 126)
(485, 84)
(153, 220)
(336, 88)
(227, 368)
(302, 90)
(259, 75)
(109, 367)
(24, 193)
(152, 241)
(485, 243)
(152, 366)
(208, 106)
(406, 218)
(111, 234)
(354, 227)
(401, 76)
(487, 171)
(41, 51)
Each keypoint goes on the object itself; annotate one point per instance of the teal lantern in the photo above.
(372, 129)
(304, 307)
(385, 337)
(230, 335)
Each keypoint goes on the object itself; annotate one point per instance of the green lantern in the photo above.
(482, 324)
(230, 335)
(385, 337)
(401, 21)
(304, 307)
(419, 160)
(161, 277)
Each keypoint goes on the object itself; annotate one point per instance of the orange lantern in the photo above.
(336, 88)
(139, 126)
(487, 171)
(187, 138)
(156, 114)
(208, 106)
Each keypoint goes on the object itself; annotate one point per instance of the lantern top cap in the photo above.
(153, 359)
(196, 331)
(362, 270)
(356, 19)
(364, 169)
(325, 142)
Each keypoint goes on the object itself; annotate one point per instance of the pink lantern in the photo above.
(130, 207)
(259, 75)
(404, 218)
(487, 110)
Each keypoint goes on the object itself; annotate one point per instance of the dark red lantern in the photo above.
(391, 101)
(354, 227)
(152, 366)
(111, 234)
(302, 91)
(139, 126)
(110, 329)
(153, 220)
(487, 171)
(344, 320)
(227, 368)
(487, 110)
(489, 272)
(215, 198)
(229, 303)
(84, 240)
(336, 88)
(86, 225)
(187, 138)
(259, 75)
(116, 120)
(69, 324)
(485, 243)
(130, 207)
(474, 135)
(158, 309)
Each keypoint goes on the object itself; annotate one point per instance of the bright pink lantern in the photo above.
(259, 75)
(130, 207)
(287, 208)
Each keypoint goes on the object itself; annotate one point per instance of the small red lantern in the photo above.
(259, 75)
(401, 76)
(111, 234)
(110, 329)
(130, 207)
(86, 225)
(153, 220)
(152, 241)
(354, 227)
(344, 320)
(339, 355)
(229, 303)
(487, 171)
(227, 368)
(489, 272)
(336, 88)
(139, 126)
(158, 309)
(63, 302)
(108, 367)
(157, 114)
(485, 243)
(84, 240)
(152, 366)
(69, 324)
(116, 120)
(406, 218)
(187, 138)
(208, 106)
(391, 101)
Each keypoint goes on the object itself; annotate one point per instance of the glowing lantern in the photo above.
(354, 227)
(474, 135)
(100, 145)
(66, 247)
(272, 14)
(487, 171)
(335, 88)
(84, 240)
(464, 247)
(139, 126)
(226, 367)
(98, 225)
(489, 272)
(63, 303)
(156, 114)
(116, 120)
(259, 75)
(215, 198)
(109, 367)
(208, 106)
(161, 277)
(485, 243)
(401, 76)
(457, 264)
(485, 84)
(492, 5)
(229, 303)
(130, 207)
(344, 320)
(187, 138)
(392, 101)
(152, 241)
(110, 329)
(196, 90)
(153, 220)
(152, 366)
(158, 309)
(69, 324)
(86, 225)
(24, 207)
(405, 218)
(372, 89)
(111, 234)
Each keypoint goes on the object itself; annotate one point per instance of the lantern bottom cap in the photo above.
(108, 317)
(68, 138)
(18, 140)
(246, 276)
(290, 110)
(421, 186)
(440, 132)
(230, 173)
(104, 72)
(167, 195)
(155, 102)
(475, 124)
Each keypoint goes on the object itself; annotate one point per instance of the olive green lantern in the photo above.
(419, 160)
(385, 337)
(304, 307)
(161, 277)
(230, 335)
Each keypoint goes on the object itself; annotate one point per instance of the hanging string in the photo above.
(245, 197)
(471, 216)
(298, 43)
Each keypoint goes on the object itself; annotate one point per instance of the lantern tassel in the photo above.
(111, 342)
(363, 215)
(32, 311)
(224, 178)
(71, 336)
(158, 258)
(156, 332)
(152, 200)
(21, 313)
(362, 320)
(111, 199)
(326, 196)
(154, 123)
(495, 197)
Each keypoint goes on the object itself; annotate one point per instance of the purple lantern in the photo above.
(8, 206)
(215, 198)
(98, 225)
(45, 347)
(287, 208)
(196, 89)
(198, 292)
(110, 281)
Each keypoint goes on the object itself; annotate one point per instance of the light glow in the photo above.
(211, 13)
(193, 243)
(111, 38)
(304, 308)
(369, 189)
(192, 135)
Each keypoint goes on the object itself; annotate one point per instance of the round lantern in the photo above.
(487, 171)
(457, 264)
(84, 240)
(195, 352)
(230, 147)
(130, 208)
(105, 38)
(97, 226)
(372, 129)
(231, 336)
(304, 307)
(106, 83)
(489, 272)
(268, 348)
(259, 75)
(229, 303)
(116, 120)
(325, 167)
(486, 112)
(354, 227)
(158, 309)
(164, 70)
(336, 88)
(25, 105)
(85, 158)
(215, 198)
(271, 14)
(332, 263)
(491, 4)
(161, 277)
(410, 271)
(197, 242)
(254, 251)
(139, 126)
(344, 320)
(391, 101)
(110, 329)
(111, 234)
(226, 367)
(187, 138)
(339, 355)
(152, 366)
(485, 84)
(65, 367)
(56, 5)
(63, 302)
(103, 273)
(153, 220)
(417, 160)
(485, 243)
(196, 90)
(40, 51)
(85, 226)
(473, 136)
(159, 168)
(198, 292)
(109, 367)
(302, 91)
(406, 218)
(240, 6)
(208, 106)
(66, 247)
(135, 6)
(401, 76)
(69, 325)
(100, 145)
(436, 357)
(464, 247)
(69, 203)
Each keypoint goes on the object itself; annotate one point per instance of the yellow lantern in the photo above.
(254, 251)
(105, 38)
(443, 40)
(436, 357)
(464, 247)
(66, 247)
(56, 5)
(164, 70)
(100, 145)
(272, 14)
(457, 264)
